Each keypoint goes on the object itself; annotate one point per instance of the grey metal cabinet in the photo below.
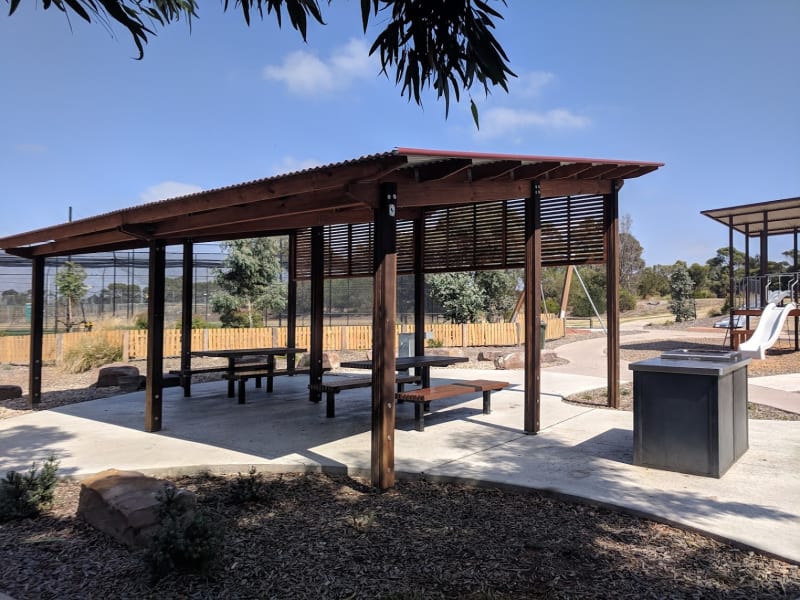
(690, 411)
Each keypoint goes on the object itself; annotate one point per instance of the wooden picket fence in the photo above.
(15, 349)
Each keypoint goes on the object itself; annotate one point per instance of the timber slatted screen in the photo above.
(472, 237)
(572, 230)
(489, 235)
(348, 250)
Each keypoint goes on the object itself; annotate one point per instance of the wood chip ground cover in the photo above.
(325, 536)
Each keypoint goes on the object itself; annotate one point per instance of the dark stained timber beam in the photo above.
(611, 239)
(572, 170)
(257, 211)
(448, 192)
(37, 333)
(731, 282)
(384, 316)
(533, 309)
(764, 258)
(154, 388)
(254, 227)
(88, 243)
(492, 170)
(187, 297)
(291, 301)
(441, 170)
(419, 288)
(317, 306)
(533, 171)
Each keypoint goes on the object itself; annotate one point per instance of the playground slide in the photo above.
(769, 329)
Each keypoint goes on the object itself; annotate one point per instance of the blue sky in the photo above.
(709, 88)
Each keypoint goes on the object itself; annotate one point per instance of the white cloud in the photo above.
(531, 84)
(168, 189)
(290, 164)
(305, 74)
(497, 122)
(30, 148)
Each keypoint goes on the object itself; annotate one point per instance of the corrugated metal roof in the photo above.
(341, 192)
(776, 217)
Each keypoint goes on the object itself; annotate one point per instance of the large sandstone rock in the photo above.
(512, 360)
(490, 355)
(330, 360)
(124, 504)
(110, 376)
(9, 392)
(516, 360)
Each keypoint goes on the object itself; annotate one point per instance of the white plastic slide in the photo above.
(768, 330)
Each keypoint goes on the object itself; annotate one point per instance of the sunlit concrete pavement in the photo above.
(580, 451)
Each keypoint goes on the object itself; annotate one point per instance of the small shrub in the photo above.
(27, 495)
(364, 522)
(91, 352)
(627, 301)
(433, 343)
(140, 321)
(240, 320)
(183, 540)
(250, 488)
(198, 322)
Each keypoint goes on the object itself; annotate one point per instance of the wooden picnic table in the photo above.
(404, 363)
(233, 355)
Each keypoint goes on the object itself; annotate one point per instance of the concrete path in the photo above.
(581, 452)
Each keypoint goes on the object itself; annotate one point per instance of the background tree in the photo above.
(682, 294)
(14, 298)
(461, 299)
(718, 277)
(654, 281)
(699, 275)
(631, 262)
(70, 283)
(248, 271)
(499, 289)
(595, 280)
(444, 45)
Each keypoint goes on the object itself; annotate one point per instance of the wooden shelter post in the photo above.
(317, 306)
(187, 296)
(291, 301)
(764, 259)
(419, 287)
(730, 279)
(384, 337)
(746, 276)
(37, 332)
(611, 237)
(155, 337)
(533, 309)
(794, 296)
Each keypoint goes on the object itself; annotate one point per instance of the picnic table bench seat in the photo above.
(424, 396)
(249, 372)
(247, 364)
(331, 388)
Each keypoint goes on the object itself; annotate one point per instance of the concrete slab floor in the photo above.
(580, 451)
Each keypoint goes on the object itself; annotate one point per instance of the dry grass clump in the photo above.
(89, 353)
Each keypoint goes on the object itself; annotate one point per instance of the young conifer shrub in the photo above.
(24, 495)
(184, 539)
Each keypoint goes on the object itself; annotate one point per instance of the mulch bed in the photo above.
(326, 536)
